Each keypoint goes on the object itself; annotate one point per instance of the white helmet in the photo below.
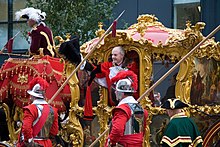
(36, 91)
(124, 85)
(126, 81)
(37, 87)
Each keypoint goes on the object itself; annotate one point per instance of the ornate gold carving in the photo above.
(184, 80)
(22, 78)
(68, 36)
(11, 128)
(100, 31)
(103, 112)
(72, 131)
(178, 44)
(210, 49)
(147, 20)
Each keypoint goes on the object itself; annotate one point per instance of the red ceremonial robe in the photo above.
(105, 72)
(105, 69)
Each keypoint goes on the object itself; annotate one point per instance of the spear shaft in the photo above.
(1, 51)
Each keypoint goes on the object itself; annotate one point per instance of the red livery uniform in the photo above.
(51, 125)
(40, 121)
(129, 118)
(121, 125)
(42, 37)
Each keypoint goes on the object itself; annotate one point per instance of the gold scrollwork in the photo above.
(73, 128)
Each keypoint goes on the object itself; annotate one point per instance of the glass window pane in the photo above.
(17, 5)
(22, 39)
(185, 12)
(4, 10)
(3, 35)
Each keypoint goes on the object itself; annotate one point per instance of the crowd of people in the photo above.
(120, 77)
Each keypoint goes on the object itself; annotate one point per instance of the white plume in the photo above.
(32, 13)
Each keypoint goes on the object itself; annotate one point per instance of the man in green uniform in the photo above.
(181, 131)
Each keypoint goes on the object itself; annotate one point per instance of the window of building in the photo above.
(186, 10)
(9, 27)
(3, 22)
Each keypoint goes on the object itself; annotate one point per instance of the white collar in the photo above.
(39, 101)
(129, 99)
(41, 23)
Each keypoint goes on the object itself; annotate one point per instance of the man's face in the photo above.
(117, 57)
(169, 112)
(31, 22)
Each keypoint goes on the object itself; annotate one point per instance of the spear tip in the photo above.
(120, 15)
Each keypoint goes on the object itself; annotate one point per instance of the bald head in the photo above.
(118, 54)
(120, 49)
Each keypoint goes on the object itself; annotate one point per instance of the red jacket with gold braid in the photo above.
(41, 36)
